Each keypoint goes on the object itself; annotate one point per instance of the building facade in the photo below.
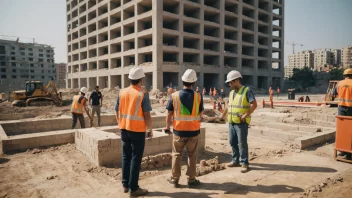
(105, 38)
(326, 57)
(20, 62)
(346, 57)
(61, 74)
(299, 60)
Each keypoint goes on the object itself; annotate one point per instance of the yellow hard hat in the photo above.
(348, 71)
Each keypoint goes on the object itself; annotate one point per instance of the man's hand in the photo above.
(243, 117)
(150, 134)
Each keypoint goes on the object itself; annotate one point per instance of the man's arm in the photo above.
(117, 109)
(101, 100)
(168, 119)
(146, 107)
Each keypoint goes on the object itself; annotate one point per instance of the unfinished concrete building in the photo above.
(20, 62)
(105, 38)
(61, 72)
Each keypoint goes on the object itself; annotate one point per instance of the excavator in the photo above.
(37, 95)
(329, 96)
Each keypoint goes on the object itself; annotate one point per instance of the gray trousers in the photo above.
(80, 117)
(96, 108)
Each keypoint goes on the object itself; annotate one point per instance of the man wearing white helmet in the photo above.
(241, 105)
(186, 108)
(133, 117)
(79, 104)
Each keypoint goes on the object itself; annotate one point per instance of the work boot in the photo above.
(139, 192)
(193, 184)
(125, 190)
(173, 182)
(231, 165)
(244, 168)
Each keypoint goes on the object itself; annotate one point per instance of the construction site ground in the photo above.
(277, 168)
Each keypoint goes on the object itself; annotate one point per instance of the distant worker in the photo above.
(133, 117)
(79, 105)
(197, 89)
(96, 102)
(222, 93)
(278, 92)
(214, 92)
(242, 104)
(204, 91)
(186, 108)
(271, 93)
(343, 93)
(210, 92)
(169, 91)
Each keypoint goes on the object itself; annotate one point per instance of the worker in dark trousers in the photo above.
(96, 102)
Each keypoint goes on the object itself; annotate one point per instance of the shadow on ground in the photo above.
(280, 167)
(3, 160)
(229, 188)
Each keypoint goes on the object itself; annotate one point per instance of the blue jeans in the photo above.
(132, 153)
(238, 140)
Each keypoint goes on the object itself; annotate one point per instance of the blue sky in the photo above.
(313, 23)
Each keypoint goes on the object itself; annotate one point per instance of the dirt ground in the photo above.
(278, 169)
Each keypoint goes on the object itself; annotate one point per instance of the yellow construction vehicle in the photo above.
(37, 95)
(329, 96)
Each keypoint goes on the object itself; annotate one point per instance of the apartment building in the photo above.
(20, 62)
(61, 72)
(299, 60)
(326, 57)
(346, 56)
(105, 38)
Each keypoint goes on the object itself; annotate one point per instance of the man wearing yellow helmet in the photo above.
(343, 93)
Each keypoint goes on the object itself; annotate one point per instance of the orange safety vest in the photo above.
(344, 91)
(214, 92)
(78, 107)
(182, 120)
(131, 116)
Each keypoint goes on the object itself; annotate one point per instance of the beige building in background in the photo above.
(105, 38)
(299, 60)
(61, 72)
(346, 56)
(21, 62)
(326, 57)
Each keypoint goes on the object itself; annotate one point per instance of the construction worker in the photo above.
(133, 117)
(271, 93)
(241, 105)
(214, 92)
(186, 108)
(210, 92)
(204, 91)
(96, 102)
(343, 93)
(197, 89)
(79, 105)
(278, 92)
(222, 92)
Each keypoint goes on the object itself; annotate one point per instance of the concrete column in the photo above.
(109, 82)
(222, 43)
(122, 81)
(157, 44)
(282, 47)
(239, 38)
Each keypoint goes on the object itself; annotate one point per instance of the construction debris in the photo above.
(208, 166)
(156, 161)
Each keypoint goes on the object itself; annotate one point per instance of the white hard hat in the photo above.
(189, 76)
(84, 90)
(136, 73)
(233, 75)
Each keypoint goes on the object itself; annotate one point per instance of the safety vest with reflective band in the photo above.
(238, 106)
(77, 107)
(183, 119)
(131, 116)
(344, 91)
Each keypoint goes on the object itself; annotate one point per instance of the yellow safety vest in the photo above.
(238, 106)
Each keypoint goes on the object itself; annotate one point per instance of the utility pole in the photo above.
(293, 44)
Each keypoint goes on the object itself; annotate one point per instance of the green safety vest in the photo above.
(238, 106)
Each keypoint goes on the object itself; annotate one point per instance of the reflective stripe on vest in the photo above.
(183, 122)
(131, 116)
(77, 107)
(344, 91)
(238, 106)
